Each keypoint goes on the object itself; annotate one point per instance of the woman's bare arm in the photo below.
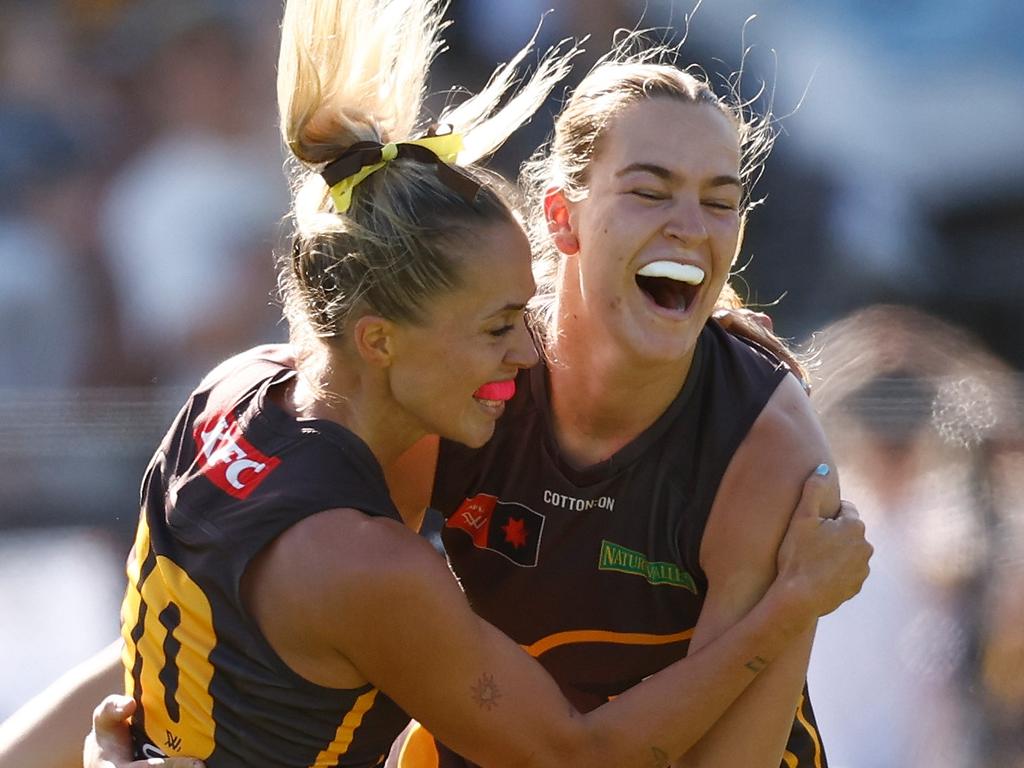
(382, 600)
(738, 554)
(385, 603)
(49, 729)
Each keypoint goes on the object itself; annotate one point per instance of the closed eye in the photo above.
(499, 332)
(648, 194)
(721, 205)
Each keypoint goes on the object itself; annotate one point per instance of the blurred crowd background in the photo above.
(141, 196)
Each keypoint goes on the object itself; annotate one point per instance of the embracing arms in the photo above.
(379, 601)
(379, 604)
(748, 521)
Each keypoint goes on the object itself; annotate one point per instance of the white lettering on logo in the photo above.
(477, 521)
(237, 467)
(578, 505)
(220, 448)
(212, 436)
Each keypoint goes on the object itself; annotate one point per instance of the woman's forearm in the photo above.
(49, 729)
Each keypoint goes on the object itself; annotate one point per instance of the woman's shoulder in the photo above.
(276, 355)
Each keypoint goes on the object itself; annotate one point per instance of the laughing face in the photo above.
(651, 245)
(453, 373)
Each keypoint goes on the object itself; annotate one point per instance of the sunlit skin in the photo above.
(394, 382)
(664, 185)
(473, 335)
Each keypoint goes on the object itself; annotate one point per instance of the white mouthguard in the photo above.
(684, 273)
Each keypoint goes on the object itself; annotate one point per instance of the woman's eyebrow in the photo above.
(724, 180)
(511, 307)
(655, 170)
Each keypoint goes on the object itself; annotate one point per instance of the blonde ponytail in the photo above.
(353, 71)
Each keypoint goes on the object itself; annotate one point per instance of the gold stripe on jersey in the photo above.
(810, 731)
(188, 730)
(131, 606)
(569, 637)
(176, 641)
(346, 731)
(791, 760)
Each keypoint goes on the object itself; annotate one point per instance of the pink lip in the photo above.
(497, 390)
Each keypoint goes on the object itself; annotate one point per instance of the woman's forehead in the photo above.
(670, 132)
(494, 268)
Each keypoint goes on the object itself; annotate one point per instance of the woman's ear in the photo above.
(373, 339)
(556, 210)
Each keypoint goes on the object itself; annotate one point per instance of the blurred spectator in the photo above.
(44, 303)
(925, 425)
(490, 31)
(59, 319)
(55, 291)
(190, 222)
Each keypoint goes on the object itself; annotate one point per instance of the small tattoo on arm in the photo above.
(756, 664)
(659, 758)
(485, 692)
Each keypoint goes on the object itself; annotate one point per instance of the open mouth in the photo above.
(669, 284)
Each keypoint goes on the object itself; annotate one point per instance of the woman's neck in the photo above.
(601, 400)
(357, 405)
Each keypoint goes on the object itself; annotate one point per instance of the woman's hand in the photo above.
(823, 559)
(109, 744)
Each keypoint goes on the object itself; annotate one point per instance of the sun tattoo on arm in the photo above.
(756, 664)
(659, 758)
(485, 692)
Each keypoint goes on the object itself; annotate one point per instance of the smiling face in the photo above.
(657, 233)
(473, 336)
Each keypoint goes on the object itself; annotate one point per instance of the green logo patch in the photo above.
(615, 557)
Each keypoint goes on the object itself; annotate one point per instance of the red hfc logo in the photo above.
(230, 461)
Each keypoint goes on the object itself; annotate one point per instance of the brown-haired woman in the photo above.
(667, 454)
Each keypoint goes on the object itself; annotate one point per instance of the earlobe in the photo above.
(372, 335)
(556, 210)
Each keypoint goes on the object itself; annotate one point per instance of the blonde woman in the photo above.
(279, 612)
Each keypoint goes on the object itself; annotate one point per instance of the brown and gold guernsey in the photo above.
(233, 473)
(596, 571)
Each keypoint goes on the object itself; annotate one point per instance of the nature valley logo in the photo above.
(615, 557)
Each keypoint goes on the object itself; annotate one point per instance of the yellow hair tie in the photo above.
(361, 160)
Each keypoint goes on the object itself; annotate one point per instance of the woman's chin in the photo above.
(476, 437)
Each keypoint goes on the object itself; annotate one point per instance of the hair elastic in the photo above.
(366, 157)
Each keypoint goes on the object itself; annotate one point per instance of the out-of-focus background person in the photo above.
(898, 179)
(927, 668)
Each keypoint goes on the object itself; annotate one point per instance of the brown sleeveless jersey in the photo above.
(235, 471)
(596, 571)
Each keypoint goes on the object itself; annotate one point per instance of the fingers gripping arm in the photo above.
(477, 691)
(740, 554)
